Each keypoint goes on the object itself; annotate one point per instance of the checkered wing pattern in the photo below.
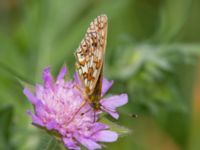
(90, 54)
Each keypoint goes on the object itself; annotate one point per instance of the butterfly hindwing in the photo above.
(90, 54)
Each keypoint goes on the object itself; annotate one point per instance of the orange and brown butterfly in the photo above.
(90, 58)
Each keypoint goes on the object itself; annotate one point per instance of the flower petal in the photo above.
(40, 109)
(35, 119)
(47, 77)
(59, 105)
(51, 125)
(70, 143)
(30, 96)
(62, 73)
(77, 78)
(115, 101)
(88, 143)
(111, 103)
(39, 91)
(111, 112)
(106, 136)
(98, 126)
(106, 85)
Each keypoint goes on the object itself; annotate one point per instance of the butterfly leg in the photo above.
(86, 100)
(94, 120)
(77, 111)
(86, 111)
(85, 97)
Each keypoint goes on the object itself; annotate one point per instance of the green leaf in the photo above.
(25, 84)
(50, 143)
(121, 130)
(173, 15)
(6, 119)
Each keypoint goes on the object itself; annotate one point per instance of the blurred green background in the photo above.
(152, 54)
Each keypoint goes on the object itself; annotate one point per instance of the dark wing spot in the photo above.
(94, 44)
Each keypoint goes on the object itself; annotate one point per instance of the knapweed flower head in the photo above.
(58, 106)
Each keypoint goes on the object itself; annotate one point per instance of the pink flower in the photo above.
(58, 107)
(108, 104)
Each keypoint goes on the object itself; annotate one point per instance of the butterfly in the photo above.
(90, 57)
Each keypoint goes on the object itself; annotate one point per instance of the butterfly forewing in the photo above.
(90, 54)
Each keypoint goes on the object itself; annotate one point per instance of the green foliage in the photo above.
(6, 126)
(121, 130)
(150, 72)
(151, 55)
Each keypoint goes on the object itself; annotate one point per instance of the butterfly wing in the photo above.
(90, 54)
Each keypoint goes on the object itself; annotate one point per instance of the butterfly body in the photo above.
(90, 58)
(96, 95)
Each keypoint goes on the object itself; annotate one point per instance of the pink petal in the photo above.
(39, 91)
(30, 96)
(88, 143)
(47, 77)
(115, 101)
(111, 112)
(106, 136)
(40, 109)
(35, 119)
(106, 85)
(51, 125)
(77, 78)
(99, 126)
(62, 73)
(111, 103)
(70, 143)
